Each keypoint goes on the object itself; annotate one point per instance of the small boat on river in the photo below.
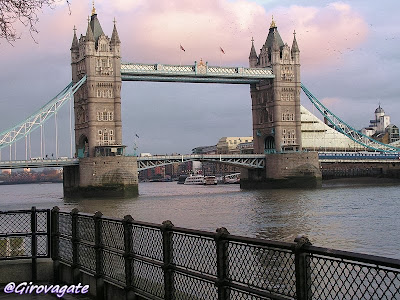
(201, 180)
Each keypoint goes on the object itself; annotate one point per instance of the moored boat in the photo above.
(210, 180)
(232, 178)
(195, 179)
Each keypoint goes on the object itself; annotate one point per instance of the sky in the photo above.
(349, 54)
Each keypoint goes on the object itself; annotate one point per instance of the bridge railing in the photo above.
(25, 234)
(168, 262)
(195, 70)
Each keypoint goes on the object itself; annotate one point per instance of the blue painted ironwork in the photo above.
(357, 157)
(38, 163)
(35, 120)
(346, 129)
(197, 73)
(250, 161)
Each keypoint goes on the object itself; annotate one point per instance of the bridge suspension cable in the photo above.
(37, 119)
(346, 129)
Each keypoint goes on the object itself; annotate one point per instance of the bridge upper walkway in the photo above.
(249, 161)
(197, 73)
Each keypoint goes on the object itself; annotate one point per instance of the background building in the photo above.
(229, 145)
(380, 128)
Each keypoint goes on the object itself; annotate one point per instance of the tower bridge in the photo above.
(100, 165)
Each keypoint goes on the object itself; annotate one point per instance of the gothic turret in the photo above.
(275, 47)
(295, 50)
(89, 34)
(253, 55)
(114, 37)
(273, 34)
(295, 47)
(75, 45)
(96, 27)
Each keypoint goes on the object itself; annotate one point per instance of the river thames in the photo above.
(359, 218)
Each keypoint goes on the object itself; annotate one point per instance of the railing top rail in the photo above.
(354, 256)
(23, 211)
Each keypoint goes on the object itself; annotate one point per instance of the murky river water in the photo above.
(349, 217)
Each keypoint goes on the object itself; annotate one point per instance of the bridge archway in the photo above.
(82, 147)
(269, 144)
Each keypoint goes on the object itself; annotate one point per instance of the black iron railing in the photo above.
(25, 234)
(168, 262)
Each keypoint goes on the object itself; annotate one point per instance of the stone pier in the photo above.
(102, 177)
(284, 170)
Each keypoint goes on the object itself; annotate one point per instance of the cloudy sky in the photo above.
(349, 51)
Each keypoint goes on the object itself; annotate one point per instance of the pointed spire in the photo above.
(253, 53)
(295, 47)
(114, 37)
(75, 44)
(93, 9)
(273, 25)
(89, 33)
(275, 44)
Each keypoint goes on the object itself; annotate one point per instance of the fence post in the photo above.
(128, 255)
(34, 243)
(302, 268)
(55, 242)
(167, 231)
(75, 246)
(98, 246)
(222, 262)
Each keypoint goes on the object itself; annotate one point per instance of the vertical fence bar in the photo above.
(98, 246)
(34, 243)
(75, 247)
(128, 256)
(55, 242)
(167, 231)
(222, 263)
(48, 232)
(302, 269)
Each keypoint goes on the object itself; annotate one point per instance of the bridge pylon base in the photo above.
(102, 177)
(285, 170)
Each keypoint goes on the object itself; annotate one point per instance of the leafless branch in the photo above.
(23, 11)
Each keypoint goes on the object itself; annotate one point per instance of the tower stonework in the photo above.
(277, 120)
(103, 169)
(98, 102)
(276, 103)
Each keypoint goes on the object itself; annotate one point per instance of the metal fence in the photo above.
(167, 262)
(25, 234)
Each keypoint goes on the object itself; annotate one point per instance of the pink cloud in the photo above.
(325, 35)
(152, 30)
(160, 27)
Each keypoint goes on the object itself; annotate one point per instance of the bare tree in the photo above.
(23, 11)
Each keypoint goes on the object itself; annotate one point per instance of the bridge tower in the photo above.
(102, 167)
(98, 102)
(276, 103)
(277, 118)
